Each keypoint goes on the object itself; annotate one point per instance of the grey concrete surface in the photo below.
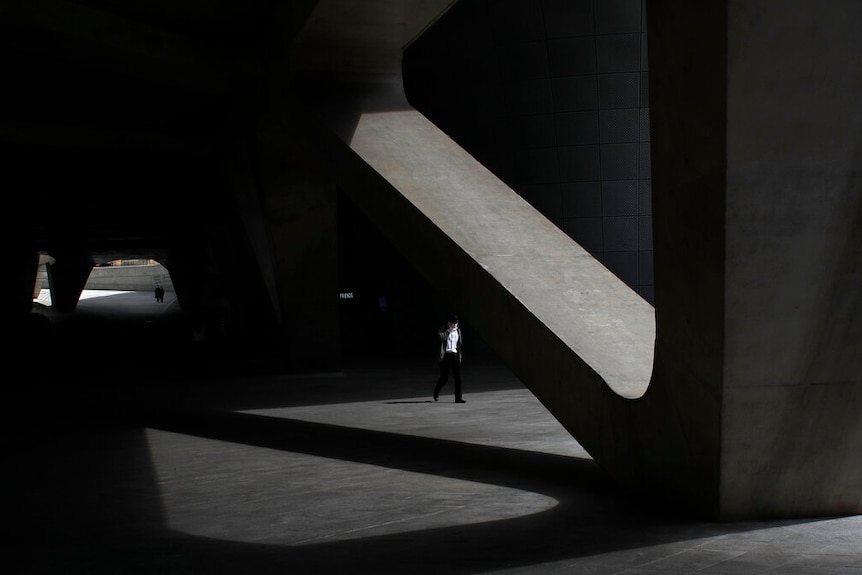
(129, 278)
(150, 466)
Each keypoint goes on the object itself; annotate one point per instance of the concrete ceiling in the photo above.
(350, 39)
(110, 102)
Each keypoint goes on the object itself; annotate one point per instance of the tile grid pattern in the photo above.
(552, 96)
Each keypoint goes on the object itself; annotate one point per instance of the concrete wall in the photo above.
(129, 278)
(553, 98)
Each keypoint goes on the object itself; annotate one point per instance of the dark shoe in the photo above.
(459, 400)
(435, 398)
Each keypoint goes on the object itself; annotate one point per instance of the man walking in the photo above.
(450, 357)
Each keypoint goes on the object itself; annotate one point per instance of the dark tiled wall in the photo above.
(551, 95)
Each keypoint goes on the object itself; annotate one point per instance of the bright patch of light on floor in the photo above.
(44, 296)
(532, 427)
(93, 293)
(225, 490)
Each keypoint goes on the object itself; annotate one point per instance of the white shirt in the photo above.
(452, 341)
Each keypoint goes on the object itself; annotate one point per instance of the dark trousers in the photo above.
(449, 363)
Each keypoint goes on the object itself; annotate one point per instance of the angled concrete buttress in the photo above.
(740, 394)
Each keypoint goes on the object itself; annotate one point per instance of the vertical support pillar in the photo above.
(792, 397)
(300, 207)
(186, 265)
(756, 119)
(67, 277)
(23, 264)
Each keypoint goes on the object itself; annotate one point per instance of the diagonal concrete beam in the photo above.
(576, 335)
(578, 299)
(567, 291)
(585, 306)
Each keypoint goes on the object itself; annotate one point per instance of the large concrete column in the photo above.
(18, 289)
(67, 277)
(298, 195)
(186, 262)
(756, 120)
(792, 393)
(300, 209)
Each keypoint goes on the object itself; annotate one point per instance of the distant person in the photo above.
(160, 294)
(450, 357)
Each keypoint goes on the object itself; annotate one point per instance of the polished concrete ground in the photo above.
(141, 466)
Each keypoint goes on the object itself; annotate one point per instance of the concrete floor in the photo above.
(173, 469)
